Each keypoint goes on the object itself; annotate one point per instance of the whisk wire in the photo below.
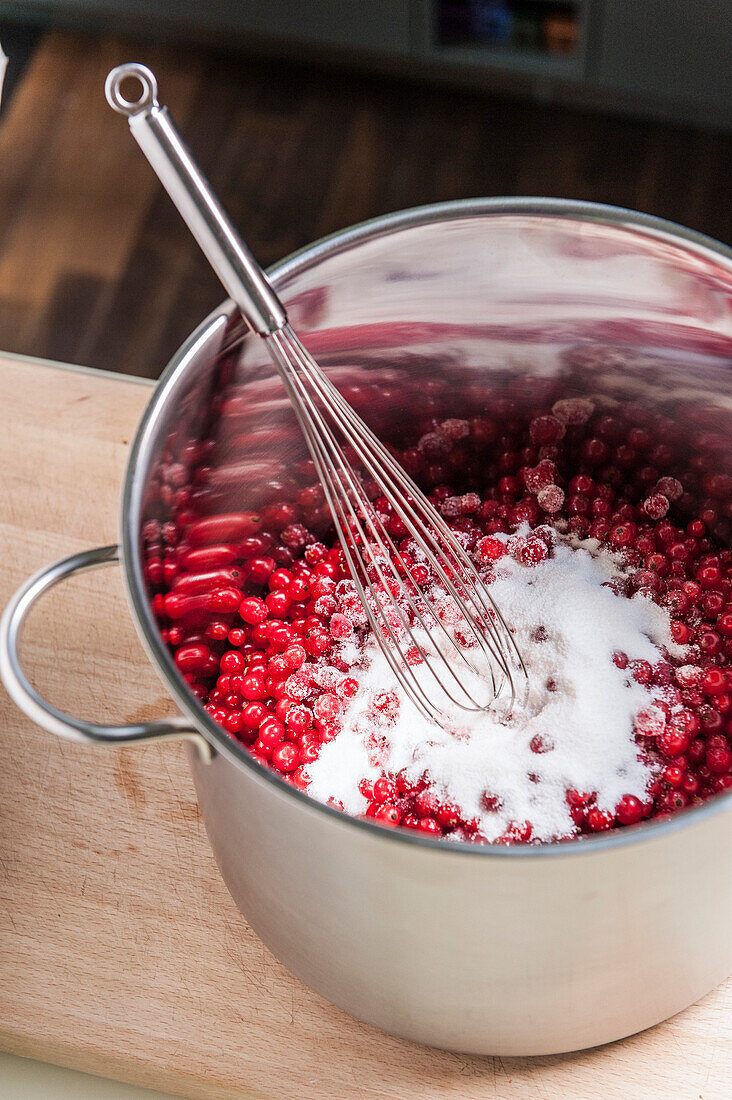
(391, 489)
(325, 461)
(391, 554)
(319, 406)
(448, 538)
(335, 501)
(327, 390)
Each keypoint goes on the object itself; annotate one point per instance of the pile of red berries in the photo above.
(255, 606)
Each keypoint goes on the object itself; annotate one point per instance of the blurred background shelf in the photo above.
(302, 136)
(543, 36)
(656, 58)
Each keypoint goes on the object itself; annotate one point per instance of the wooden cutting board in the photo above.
(121, 952)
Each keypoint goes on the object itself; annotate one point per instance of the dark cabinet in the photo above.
(676, 52)
(665, 57)
(371, 25)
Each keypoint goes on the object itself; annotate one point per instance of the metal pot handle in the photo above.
(35, 706)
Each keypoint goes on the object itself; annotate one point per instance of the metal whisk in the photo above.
(443, 637)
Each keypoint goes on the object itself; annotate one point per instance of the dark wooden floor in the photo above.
(96, 268)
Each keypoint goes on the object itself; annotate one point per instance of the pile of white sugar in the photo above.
(568, 623)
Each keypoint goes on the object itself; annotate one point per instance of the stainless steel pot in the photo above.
(523, 950)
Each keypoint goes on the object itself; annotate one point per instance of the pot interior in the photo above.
(446, 317)
(492, 314)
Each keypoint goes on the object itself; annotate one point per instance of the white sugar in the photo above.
(580, 710)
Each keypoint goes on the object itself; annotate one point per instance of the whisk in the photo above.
(467, 658)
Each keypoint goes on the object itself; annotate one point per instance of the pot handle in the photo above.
(45, 714)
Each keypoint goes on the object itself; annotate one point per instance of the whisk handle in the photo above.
(157, 136)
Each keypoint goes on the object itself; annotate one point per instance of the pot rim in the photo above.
(131, 510)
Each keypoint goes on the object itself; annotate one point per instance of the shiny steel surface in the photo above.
(43, 713)
(470, 950)
(518, 950)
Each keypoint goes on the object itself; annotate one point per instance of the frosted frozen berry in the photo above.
(325, 677)
(329, 730)
(519, 832)
(327, 707)
(453, 429)
(650, 722)
(673, 741)
(656, 506)
(451, 507)
(366, 788)
(669, 487)
(448, 613)
(642, 671)
(469, 503)
(340, 627)
(540, 476)
(386, 703)
(490, 549)
(551, 499)
(687, 675)
(315, 553)
(546, 429)
(298, 686)
(531, 552)
(513, 546)
(347, 688)
(295, 536)
(687, 721)
(719, 759)
(426, 803)
(294, 657)
(433, 445)
(573, 410)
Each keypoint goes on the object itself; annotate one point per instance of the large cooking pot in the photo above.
(518, 950)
